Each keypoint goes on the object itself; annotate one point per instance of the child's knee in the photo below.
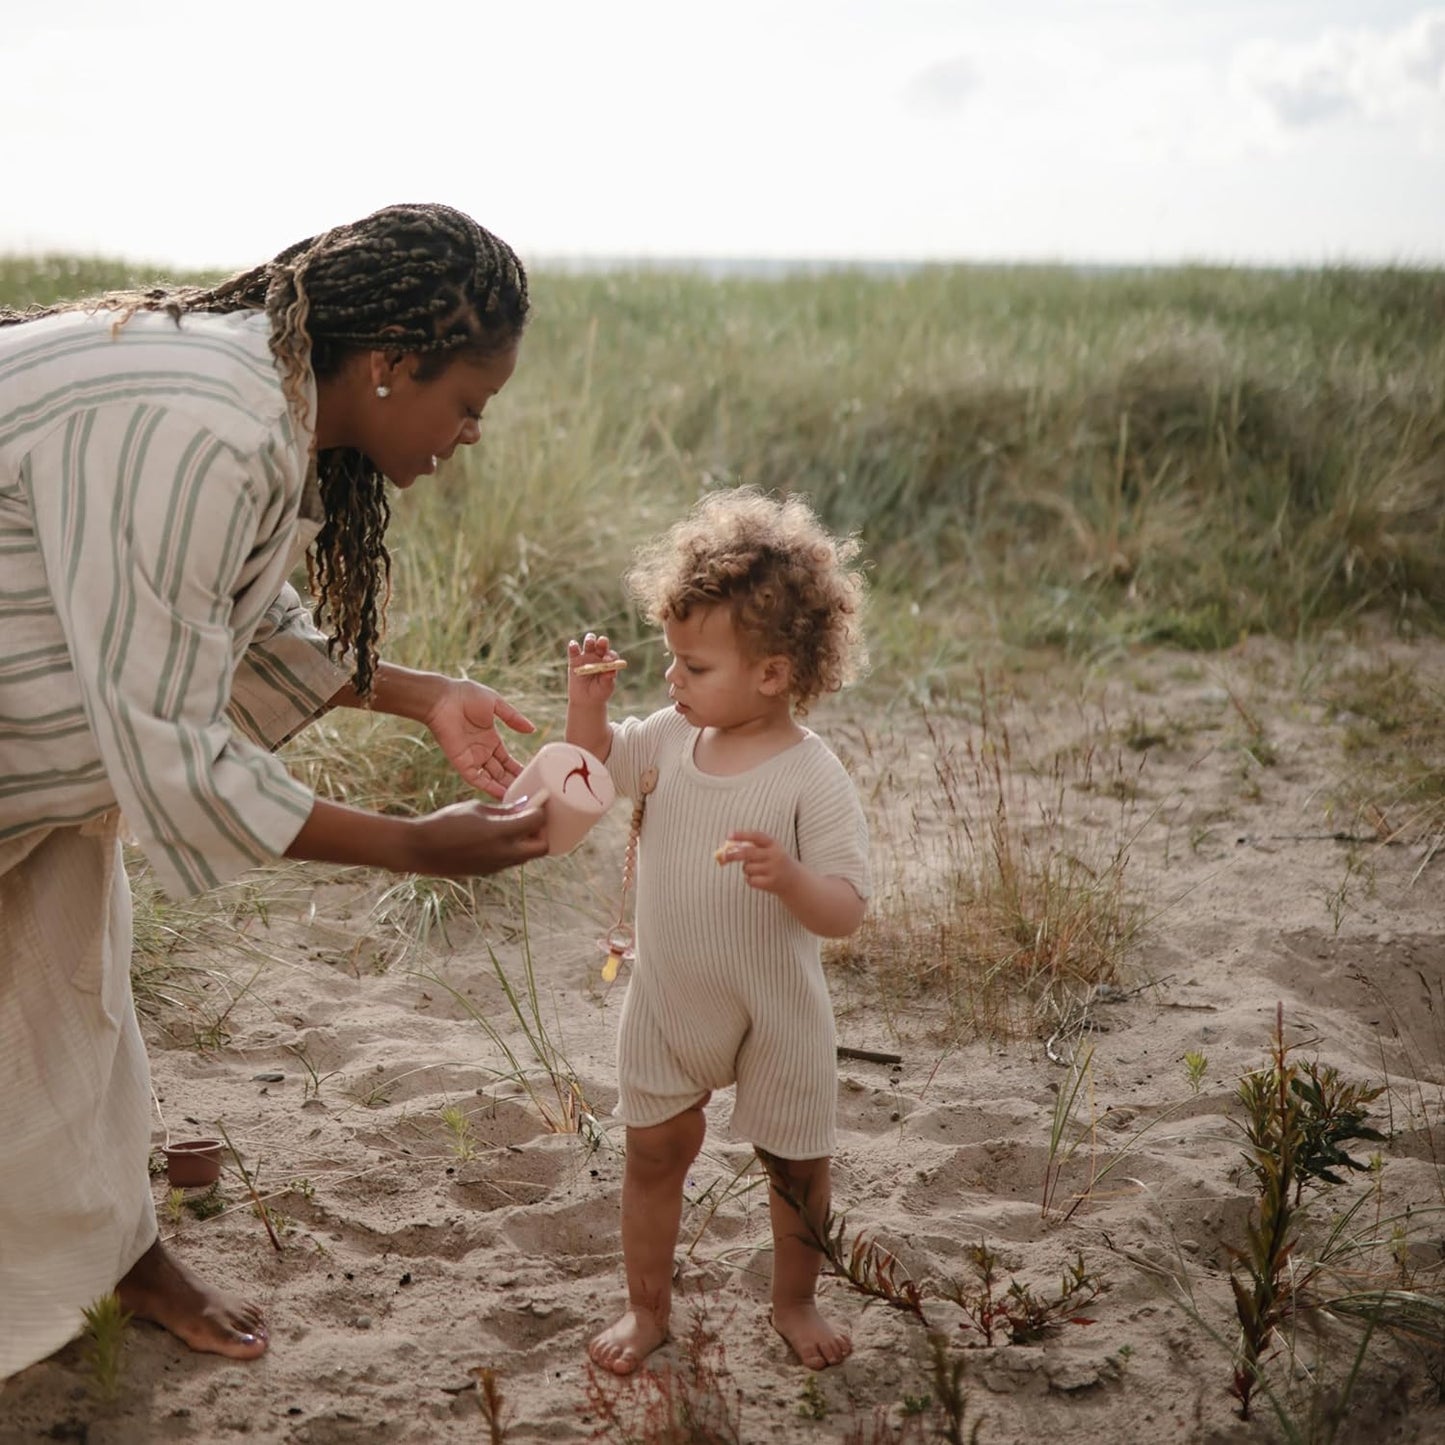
(803, 1183)
(673, 1145)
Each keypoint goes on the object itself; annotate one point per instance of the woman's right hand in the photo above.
(461, 841)
(467, 839)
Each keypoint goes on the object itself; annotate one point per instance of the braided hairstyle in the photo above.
(414, 279)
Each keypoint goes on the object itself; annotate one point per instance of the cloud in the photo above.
(1382, 76)
(943, 88)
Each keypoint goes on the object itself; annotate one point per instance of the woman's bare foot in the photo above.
(159, 1288)
(816, 1343)
(623, 1346)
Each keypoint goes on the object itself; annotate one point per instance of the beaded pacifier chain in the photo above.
(619, 940)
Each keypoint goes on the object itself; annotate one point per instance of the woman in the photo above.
(166, 458)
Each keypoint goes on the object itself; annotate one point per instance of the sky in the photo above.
(208, 133)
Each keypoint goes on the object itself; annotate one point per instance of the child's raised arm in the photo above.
(592, 669)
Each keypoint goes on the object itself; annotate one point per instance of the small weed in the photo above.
(491, 1402)
(1297, 1118)
(459, 1126)
(1019, 910)
(207, 1205)
(105, 1324)
(812, 1404)
(314, 1079)
(952, 1397)
(564, 1108)
(1195, 1064)
(258, 1204)
(699, 1403)
(1017, 1313)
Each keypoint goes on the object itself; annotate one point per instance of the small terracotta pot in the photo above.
(193, 1163)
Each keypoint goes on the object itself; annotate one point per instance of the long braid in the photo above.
(422, 279)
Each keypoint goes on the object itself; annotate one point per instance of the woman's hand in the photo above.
(460, 841)
(463, 719)
(468, 839)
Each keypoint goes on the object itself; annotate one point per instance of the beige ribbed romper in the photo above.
(727, 986)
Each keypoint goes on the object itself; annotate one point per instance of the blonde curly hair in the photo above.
(786, 581)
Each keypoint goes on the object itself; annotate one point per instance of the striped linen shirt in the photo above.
(151, 651)
(728, 985)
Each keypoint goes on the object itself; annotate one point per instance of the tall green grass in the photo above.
(1073, 459)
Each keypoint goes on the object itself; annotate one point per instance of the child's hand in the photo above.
(767, 866)
(592, 669)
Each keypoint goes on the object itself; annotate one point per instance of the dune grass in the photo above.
(1038, 461)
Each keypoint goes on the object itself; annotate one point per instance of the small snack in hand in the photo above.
(724, 854)
(592, 669)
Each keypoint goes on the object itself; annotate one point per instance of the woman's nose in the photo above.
(471, 432)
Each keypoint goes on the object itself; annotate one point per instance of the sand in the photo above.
(406, 1268)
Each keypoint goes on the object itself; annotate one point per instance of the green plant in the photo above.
(875, 1272)
(1296, 1120)
(1017, 1312)
(314, 1079)
(812, 1403)
(1061, 1125)
(1022, 913)
(248, 1179)
(1195, 1064)
(459, 1126)
(207, 1205)
(105, 1323)
(564, 1109)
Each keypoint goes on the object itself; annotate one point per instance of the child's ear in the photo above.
(777, 676)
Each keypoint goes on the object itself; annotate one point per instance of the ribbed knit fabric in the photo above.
(727, 986)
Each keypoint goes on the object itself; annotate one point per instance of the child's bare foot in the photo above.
(623, 1346)
(816, 1343)
(159, 1288)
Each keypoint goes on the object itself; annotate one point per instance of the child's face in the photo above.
(712, 679)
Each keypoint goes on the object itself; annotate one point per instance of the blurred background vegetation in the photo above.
(1082, 462)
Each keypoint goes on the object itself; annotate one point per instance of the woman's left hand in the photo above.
(464, 720)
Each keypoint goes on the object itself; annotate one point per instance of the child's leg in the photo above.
(796, 1260)
(653, 1174)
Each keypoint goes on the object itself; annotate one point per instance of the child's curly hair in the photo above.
(784, 577)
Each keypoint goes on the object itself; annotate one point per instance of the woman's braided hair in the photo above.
(422, 279)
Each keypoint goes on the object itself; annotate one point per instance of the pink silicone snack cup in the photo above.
(579, 792)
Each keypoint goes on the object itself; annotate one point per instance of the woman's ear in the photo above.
(384, 367)
(381, 369)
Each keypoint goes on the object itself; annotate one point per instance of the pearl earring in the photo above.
(383, 392)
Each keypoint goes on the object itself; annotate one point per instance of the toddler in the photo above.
(753, 846)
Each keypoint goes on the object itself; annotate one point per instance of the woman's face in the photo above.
(420, 423)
